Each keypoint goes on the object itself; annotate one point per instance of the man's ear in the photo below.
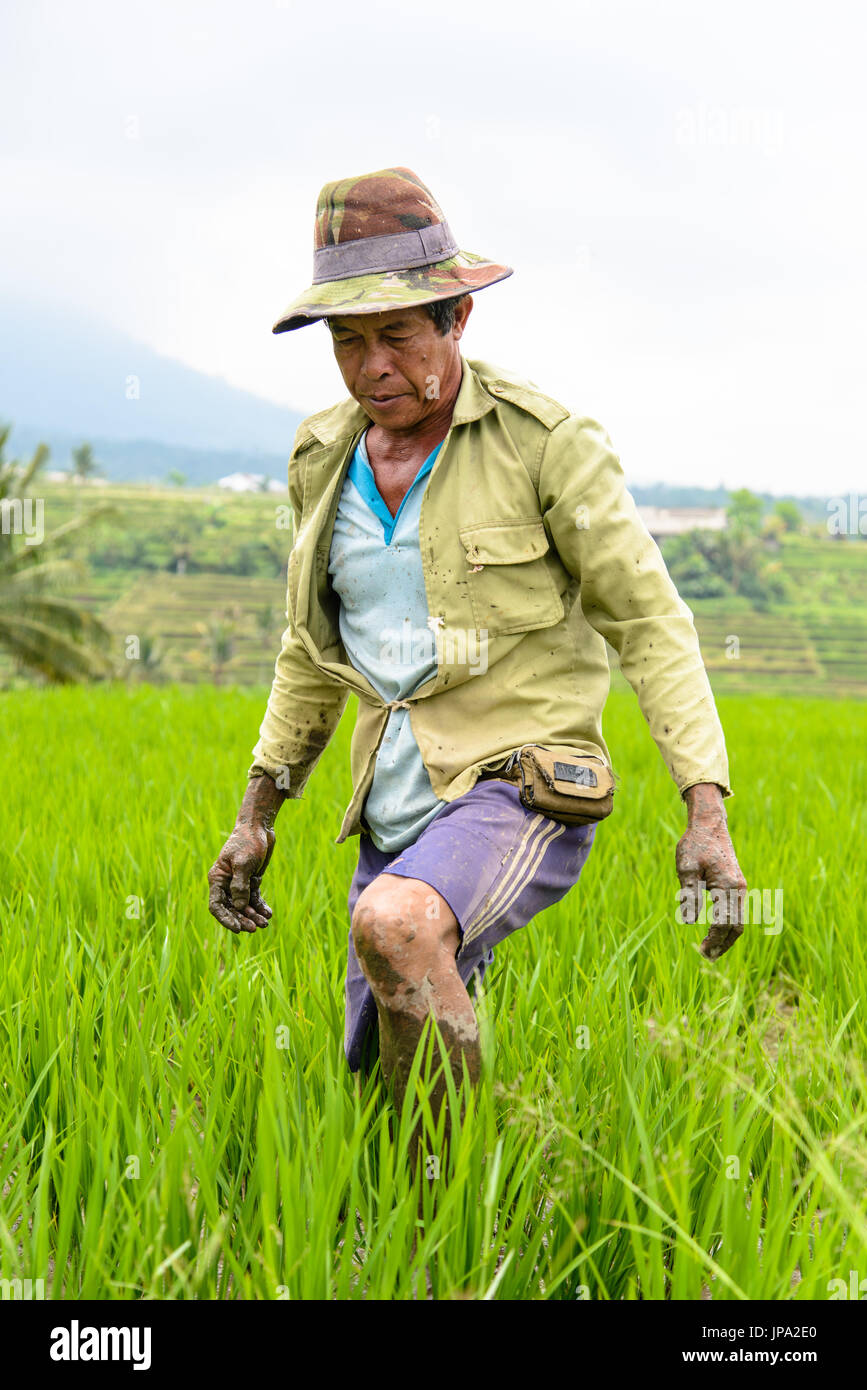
(462, 313)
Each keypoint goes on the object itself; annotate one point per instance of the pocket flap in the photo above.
(504, 543)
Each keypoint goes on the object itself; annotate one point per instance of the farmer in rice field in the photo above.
(464, 548)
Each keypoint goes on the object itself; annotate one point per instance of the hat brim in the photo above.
(387, 290)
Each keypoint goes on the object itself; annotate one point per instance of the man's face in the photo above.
(397, 365)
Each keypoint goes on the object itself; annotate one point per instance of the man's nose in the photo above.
(376, 361)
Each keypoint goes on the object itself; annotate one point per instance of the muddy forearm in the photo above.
(261, 802)
(705, 801)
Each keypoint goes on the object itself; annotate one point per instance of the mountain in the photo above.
(65, 378)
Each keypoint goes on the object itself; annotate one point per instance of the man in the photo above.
(463, 547)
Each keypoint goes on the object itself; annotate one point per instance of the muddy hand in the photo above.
(235, 879)
(706, 859)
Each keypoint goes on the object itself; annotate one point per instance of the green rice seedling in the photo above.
(178, 1121)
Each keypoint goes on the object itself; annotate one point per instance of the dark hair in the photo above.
(442, 311)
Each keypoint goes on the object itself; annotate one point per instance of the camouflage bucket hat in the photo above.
(380, 241)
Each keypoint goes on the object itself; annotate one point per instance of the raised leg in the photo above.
(406, 937)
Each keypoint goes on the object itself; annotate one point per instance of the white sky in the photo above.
(680, 188)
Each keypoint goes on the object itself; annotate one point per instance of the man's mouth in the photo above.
(380, 400)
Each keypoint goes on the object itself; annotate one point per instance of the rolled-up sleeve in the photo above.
(628, 596)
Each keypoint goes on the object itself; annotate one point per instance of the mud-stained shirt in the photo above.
(534, 557)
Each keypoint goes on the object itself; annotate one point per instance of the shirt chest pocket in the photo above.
(510, 585)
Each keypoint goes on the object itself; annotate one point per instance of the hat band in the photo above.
(369, 255)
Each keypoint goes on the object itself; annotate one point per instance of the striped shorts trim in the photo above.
(525, 860)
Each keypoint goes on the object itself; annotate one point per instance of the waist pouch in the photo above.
(571, 787)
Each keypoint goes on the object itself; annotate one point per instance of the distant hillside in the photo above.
(65, 378)
(147, 461)
(670, 495)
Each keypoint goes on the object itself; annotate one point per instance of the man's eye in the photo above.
(388, 338)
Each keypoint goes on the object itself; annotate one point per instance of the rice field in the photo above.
(220, 619)
(178, 1121)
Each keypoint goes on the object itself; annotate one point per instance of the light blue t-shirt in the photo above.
(376, 571)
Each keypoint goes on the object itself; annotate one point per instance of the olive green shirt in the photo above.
(530, 544)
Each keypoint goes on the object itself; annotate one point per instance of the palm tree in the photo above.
(181, 553)
(278, 544)
(219, 642)
(84, 465)
(150, 664)
(266, 619)
(41, 627)
(182, 547)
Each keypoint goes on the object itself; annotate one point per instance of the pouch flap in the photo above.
(569, 773)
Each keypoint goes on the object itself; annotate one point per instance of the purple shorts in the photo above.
(496, 864)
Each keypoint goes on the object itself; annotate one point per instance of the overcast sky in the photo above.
(680, 188)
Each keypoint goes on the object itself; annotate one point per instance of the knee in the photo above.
(389, 938)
